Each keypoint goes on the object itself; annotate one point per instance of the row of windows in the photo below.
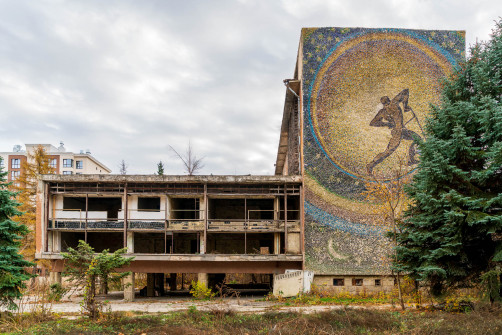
(53, 163)
(355, 282)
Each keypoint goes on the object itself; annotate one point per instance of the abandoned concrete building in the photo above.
(340, 131)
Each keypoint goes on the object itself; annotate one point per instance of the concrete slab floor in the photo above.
(247, 305)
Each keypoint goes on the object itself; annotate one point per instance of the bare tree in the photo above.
(190, 161)
(389, 192)
(123, 167)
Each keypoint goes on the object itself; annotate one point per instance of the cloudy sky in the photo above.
(126, 79)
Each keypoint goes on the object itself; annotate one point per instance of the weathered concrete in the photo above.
(128, 283)
(203, 278)
(292, 283)
(369, 283)
(294, 243)
(55, 277)
(248, 179)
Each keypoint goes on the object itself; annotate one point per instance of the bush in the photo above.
(56, 292)
(200, 291)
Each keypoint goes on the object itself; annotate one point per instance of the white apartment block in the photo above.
(63, 162)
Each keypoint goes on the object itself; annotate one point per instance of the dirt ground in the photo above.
(248, 304)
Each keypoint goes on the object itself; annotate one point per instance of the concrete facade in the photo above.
(208, 225)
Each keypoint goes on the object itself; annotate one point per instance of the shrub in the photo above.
(200, 291)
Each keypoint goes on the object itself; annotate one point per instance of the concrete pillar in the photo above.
(202, 247)
(150, 285)
(202, 278)
(277, 243)
(159, 283)
(55, 278)
(128, 282)
(54, 242)
(172, 282)
(130, 242)
(294, 243)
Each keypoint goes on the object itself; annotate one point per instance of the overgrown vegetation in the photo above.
(83, 266)
(200, 291)
(452, 236)
(221, 321)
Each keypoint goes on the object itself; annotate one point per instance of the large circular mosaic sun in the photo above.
(370, 98)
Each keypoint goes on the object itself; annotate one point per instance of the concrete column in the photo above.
(159, 283)
(55, 278)
(130, 242)
(54, 241)
(150, 285)
(277, 243)
(203, 278)
(172, 282)
(202, 247)
(294, 243)
(128, 283)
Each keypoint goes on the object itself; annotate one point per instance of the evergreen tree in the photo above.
(160, 168)
(452, 234)
(12, 264)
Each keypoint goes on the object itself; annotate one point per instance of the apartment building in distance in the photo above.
(63, 162)
(357, 99)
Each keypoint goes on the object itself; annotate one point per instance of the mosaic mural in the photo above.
(366, 94)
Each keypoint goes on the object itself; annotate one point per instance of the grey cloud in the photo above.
(127, 78)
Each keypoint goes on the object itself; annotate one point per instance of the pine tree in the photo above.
(12, 264)
(160, 168)
(452, 234)
(38, 163)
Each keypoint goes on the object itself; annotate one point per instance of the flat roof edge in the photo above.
(212, 179)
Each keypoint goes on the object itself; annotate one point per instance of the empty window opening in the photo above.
(109, 205)
(260, 209)
(151, 243)
(237, 243)
(70, 240)
(185, 208)
(149, 204)
(226, 209)
(338, 282)
(293, 203)
(378, 282)
(99, 241)
(357, 282)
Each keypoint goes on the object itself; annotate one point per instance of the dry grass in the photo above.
(484, 320)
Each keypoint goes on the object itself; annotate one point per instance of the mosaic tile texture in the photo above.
(366, 94)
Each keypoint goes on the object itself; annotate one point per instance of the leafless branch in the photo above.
(190, 161)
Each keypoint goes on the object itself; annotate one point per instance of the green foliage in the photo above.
(491, 284)
(160, 168)
(12, 264)
(200, 291)
(452, 230)
(84, 267)
(56, 292)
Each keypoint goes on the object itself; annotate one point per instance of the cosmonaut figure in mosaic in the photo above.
(391, 116)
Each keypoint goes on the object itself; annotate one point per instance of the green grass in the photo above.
(341, 321)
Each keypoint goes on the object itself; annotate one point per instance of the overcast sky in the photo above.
(126, 79)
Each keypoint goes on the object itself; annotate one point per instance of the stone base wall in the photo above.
(354, 284)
